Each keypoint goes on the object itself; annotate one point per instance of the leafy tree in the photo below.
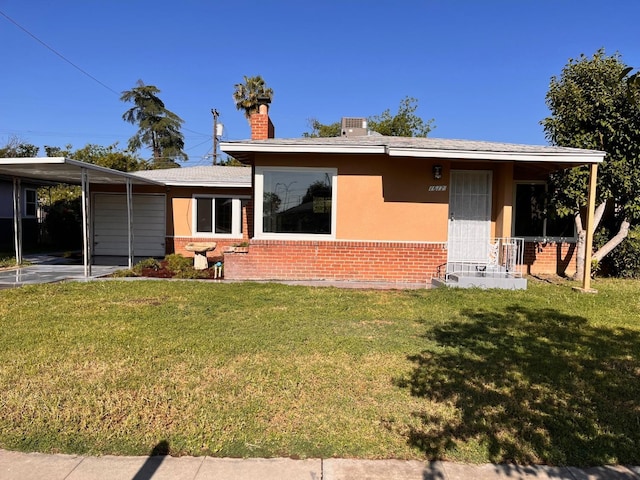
(405, 123)
(159, 129)
(110, 157)
(590, 108)
(319, 130)
(16, 148)
(247, 95)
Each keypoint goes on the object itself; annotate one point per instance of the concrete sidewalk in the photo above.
(37, 466)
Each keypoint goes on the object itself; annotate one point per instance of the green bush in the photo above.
(624, 260)
(178, 264)
(146, 263)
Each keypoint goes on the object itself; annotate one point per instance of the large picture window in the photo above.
(296, 202)
(217, 216)
(533, 218)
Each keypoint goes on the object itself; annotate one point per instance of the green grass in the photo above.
(545, 375)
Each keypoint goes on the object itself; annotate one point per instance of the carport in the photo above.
(67, 171)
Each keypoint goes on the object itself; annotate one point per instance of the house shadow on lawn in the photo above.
(528, 386)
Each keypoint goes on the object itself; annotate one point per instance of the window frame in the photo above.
(236, 216)
(26, 204)
(259, 205)
(544, 237)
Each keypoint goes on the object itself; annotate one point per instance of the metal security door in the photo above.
(469, 216)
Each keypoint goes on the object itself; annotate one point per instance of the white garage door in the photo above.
(110, 225)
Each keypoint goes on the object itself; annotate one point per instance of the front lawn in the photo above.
(545, 375)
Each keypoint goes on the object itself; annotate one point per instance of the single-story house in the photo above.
(367, 207)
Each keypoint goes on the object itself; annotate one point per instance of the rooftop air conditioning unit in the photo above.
(354, 127)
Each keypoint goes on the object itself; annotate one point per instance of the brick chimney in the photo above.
(261, 126)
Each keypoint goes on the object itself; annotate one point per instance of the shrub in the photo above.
(146, 263)
(624, 260)
(178, 264)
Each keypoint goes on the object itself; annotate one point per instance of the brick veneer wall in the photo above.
(557, 258)
(336, 260)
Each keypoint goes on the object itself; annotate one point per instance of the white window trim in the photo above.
(259, 207)
(236, 217)
(24, 206)
(539, 238)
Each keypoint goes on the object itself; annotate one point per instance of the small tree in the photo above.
(590, 108)
(405, 123)
(159, 129)
(16, 148)
(247, 95)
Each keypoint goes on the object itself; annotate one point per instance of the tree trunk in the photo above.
(614, 241)
(603, 251)
(582, 237)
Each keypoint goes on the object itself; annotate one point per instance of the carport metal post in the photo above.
(130, 221)
(86, 252)
(17, 219)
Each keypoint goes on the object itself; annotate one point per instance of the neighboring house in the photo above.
(183, 205)
(366, 207)
(29, 213)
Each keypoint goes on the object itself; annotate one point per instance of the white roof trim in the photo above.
(568, 157)
(191, 183)
(291, 148)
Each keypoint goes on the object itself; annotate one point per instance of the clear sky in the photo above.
(480, 69)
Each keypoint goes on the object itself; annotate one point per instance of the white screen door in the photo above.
(469, 216)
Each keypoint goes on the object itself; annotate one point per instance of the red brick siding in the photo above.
(336, 260)
(550, 258)
(261, 127)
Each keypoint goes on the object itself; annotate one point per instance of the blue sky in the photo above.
(480, 69)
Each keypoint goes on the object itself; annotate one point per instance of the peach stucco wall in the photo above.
(382, 200)
(182, 219)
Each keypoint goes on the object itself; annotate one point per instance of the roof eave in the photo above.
(247, 148)
(551, 157)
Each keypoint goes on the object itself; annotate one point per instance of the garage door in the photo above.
(110, 225)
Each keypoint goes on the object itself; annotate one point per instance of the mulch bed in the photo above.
(164, 272)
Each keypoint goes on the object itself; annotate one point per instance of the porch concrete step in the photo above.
(461, 281)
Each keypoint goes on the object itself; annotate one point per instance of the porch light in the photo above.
(437, 172)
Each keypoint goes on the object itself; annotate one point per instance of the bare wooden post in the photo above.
(591, 206)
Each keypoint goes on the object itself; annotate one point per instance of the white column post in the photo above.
(130, 221)
(86, 247)
(17, 219)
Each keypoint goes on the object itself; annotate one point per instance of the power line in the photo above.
(84, 72)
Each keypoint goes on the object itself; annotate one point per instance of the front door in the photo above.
(469, 216)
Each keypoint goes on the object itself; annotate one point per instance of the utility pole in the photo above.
(215, 114)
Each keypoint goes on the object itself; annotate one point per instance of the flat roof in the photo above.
(65, 170)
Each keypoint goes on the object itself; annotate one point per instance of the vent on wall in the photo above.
(354, 127)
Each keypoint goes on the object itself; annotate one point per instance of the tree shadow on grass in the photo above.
(529, 386)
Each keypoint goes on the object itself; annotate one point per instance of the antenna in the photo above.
(215, 114)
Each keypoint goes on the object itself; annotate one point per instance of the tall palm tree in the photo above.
(248, 94)
(159, 128)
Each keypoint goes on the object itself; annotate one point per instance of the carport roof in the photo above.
(65, 170)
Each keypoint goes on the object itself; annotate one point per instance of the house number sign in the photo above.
(437, 188)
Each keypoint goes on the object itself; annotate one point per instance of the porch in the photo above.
(500, 265)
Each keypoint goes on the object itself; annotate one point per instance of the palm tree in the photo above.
(248, 95)
(159, 129)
